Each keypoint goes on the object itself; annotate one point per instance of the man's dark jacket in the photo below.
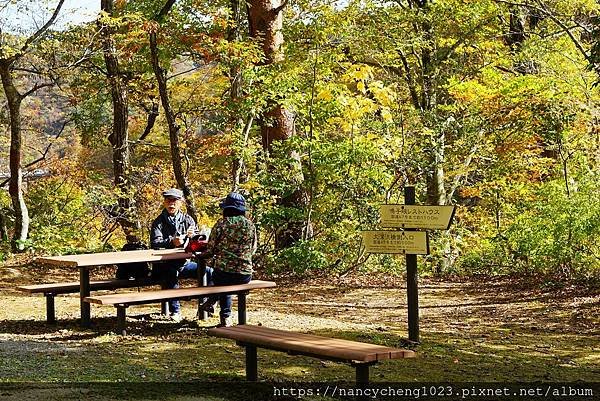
(164, 229)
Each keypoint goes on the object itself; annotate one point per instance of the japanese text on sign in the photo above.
(416, 216)
(402, 242)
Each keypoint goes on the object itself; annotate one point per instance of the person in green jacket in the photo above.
(231, 245)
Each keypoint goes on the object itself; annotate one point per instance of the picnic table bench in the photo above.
(122, 301)
(50, 290)
(85, 262)
(358, 354)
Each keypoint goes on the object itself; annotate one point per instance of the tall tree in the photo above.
(9, 57)
(235, 77)
(119, 135)
(278, 123)
(161, 78)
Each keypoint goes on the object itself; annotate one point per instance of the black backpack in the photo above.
(135, 270)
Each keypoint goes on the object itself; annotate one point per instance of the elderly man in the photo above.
(169, 230)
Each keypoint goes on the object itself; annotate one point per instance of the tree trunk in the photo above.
(233, 35)
(15, 188)
(119, 135)
(3, 226)
(265, 21)
(14, 99)
(180, 176)
(436, 192)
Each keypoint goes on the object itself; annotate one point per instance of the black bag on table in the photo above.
(135, 270)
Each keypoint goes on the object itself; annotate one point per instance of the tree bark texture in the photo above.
(180, 175)
(265, 22)
(235, 77)
(436, 193)
(15, 188)
(3, 226)
(14, 99)
(118, 137)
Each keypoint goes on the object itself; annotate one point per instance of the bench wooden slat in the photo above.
(309, 339)
(144, 297)
(310, 344)
(73, 286)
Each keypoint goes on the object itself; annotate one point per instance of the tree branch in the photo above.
(278, 9)
(410, 81)
(165, 10)
(458, 179)
(44, 154)
(43, 29)
(183, 72)
(35, 88)
(541, 8)
(152, 114)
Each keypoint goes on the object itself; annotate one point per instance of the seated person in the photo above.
(170, 230)
(231, 244)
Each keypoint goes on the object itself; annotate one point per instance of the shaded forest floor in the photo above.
(472, 331)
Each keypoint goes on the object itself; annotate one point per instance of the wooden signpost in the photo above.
(408, 242)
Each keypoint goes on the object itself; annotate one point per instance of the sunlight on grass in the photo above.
(106, 338)
(462, 338)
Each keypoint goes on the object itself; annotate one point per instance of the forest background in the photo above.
(318, 112)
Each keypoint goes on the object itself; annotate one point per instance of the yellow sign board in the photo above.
(416, 216)
(402, 242)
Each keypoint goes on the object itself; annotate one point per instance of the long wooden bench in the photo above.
(123, 301)
(52, 289)
(360, 355)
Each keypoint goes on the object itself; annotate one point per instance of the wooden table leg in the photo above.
(121, 319)
(84, 291)
(50, 310)
(242, 307)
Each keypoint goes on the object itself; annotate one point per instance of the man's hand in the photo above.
(190, 232)
(177, 241)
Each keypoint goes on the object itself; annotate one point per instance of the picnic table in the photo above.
(84, 262)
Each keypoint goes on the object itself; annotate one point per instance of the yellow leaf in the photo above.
(386, 115)
(325, 94)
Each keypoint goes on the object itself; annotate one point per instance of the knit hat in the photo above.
(234, 201)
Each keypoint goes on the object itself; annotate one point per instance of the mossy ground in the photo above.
(490, 331)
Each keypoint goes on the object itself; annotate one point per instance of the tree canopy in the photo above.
(318, 112)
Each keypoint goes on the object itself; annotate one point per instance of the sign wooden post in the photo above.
(412, 290)
(408, 241)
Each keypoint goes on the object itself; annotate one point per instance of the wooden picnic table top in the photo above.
(111, 258)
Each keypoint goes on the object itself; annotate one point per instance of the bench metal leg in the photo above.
(362, 373)
(251, 363)
(50, 310)
(242, 307)
(121, 319)
(84, 291)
